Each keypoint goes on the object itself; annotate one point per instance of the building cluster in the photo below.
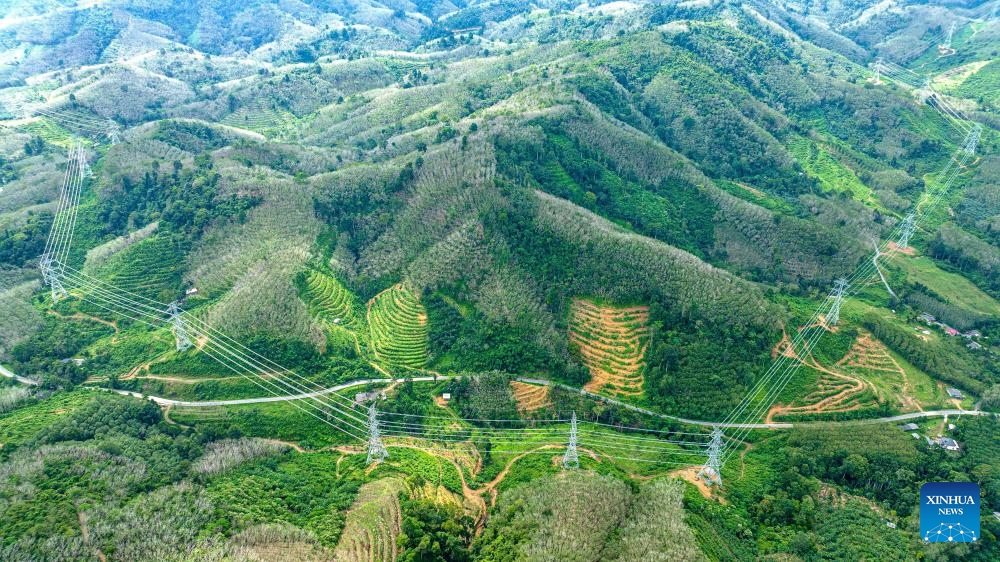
(971, 335)
(946, 443)
(363, 397)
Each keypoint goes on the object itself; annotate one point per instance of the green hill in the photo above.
(639, 208)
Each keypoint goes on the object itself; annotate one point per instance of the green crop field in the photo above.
(50, 131)
(982, 85)
(954, 288)
(398, 328)
(335, 307)
(832, 175)
(289, 421)
(330, 300)
(21, 425)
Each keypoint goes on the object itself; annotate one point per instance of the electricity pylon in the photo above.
(712, 471)
(376, 449)
(571, 459)
(81, 159)
(50, 275)
(877, 67)
(839, 288)
(972, 139)
(907, 229)
(181, 338)
(114, 133)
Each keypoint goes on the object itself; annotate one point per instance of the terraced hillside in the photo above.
(260, 119)
(329, 300)
(373, 523)
(611, 342)
(397, 326)
(530, 397)
(333, 306)
(871, 360)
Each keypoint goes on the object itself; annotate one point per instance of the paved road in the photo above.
(23, 380)
(264, 399)
(918, 415)
(236, 402)
(788, 425)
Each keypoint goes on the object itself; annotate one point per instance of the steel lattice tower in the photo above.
(972, 139)
(712, 471)
(50, 275)
(877, 67)
(908, 227)
(376, 449)
(839, 288)
(571, 459)
(81, 160)
(114, 133)
(180, 329)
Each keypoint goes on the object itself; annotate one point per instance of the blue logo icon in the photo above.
(949, 512)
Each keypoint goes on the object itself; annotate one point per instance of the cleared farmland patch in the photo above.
(611, 342)
(866, 374)
(260, 118)
(871, 360)
(397, 325)
(530, 397)
(373, 523)
(869, 354)
(50, 131)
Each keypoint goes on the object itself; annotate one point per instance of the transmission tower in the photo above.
(877, 67)
(712, 471)
(972, 139)
(908, 227)
(50, 275)
(114, 133)
(376, 449)
(180, 329)
(81, 159)
(571, 459)
(839, 288)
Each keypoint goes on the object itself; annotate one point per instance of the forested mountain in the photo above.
(290, 223)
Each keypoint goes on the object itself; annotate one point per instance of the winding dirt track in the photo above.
(866, 353)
